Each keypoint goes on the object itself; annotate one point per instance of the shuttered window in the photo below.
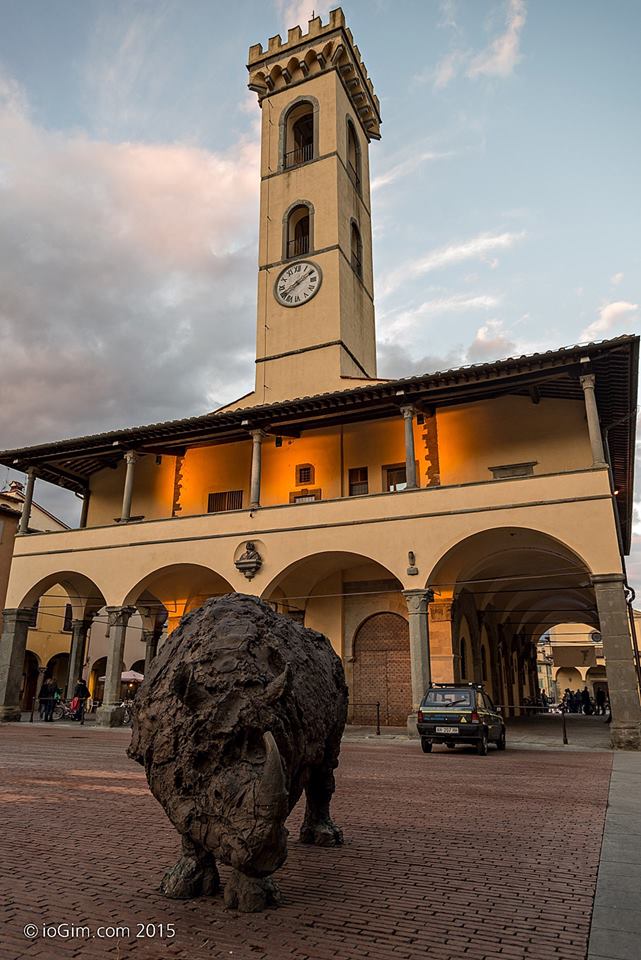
(358, 481)
(225, 500)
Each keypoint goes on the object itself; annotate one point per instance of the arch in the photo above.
(305, 112)
(58, 668)
(382, 671)
(356, 249)
(484, 667)
(463, 659)
(354, 166)
(298, 229)
(177, 589)
(30, 673)
(84, 595)
(96, 685)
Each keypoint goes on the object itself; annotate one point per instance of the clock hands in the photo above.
(299, 281)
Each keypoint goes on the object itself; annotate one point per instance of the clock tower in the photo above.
(315, 325)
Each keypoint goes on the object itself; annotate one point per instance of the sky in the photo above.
(506, 196)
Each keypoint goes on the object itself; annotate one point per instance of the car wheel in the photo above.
(450, 746)
(500, 743)
(481, 747)
(426, 745)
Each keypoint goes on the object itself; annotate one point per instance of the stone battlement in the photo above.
(323, 47)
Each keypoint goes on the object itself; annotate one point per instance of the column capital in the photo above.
(258, 435)
(417, 600)
(604, 578)
(81, 625)
(131, 456)
(17, 615)
(119, 616)
(408, 411)
(587, 381)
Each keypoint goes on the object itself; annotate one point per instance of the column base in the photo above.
(412, 732)
(625, 736)
(110, 715)
(10, 714)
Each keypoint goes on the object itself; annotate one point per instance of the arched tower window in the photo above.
(299, 135)
(463, 659)
(356, 246)
(353, 155)
(298, 232)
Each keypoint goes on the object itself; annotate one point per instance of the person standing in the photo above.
(48, 697)
(600, 701)
(82, 693)
(586, 703)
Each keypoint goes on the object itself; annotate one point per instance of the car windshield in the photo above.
(448, 698)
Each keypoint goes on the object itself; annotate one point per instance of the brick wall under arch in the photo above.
(382, 669)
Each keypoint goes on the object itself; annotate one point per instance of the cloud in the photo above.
(477, 248)
(498, 59)
(404, 320)
(616, 279)
(295, 13)
(396, 361)
(502, 55)
(127, 278)
(490, 343)
(405, 167)
(610, 315)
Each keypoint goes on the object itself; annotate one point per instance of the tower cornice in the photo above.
(323, 48)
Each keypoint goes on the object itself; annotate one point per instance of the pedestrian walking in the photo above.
(600, 701)
(586, 702)
(49, 696)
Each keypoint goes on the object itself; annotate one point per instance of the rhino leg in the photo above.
(249, 894)
(318, 827)
(195, 874)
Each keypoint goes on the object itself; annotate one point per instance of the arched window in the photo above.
(353, 156)
(483, 663)
(356, 250)
(463, 659)
(298, 232)
(299, 135)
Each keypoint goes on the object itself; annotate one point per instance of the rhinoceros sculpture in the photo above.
(241, 711)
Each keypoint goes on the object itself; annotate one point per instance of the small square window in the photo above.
(304, 474)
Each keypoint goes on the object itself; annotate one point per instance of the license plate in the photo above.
(447, 729)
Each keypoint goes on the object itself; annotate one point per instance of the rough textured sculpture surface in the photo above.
(242, 710)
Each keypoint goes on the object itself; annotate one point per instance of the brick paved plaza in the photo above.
(448, 856)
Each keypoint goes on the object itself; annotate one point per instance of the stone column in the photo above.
(594, 425)
(257, 459)
(417, 601)
(625, 729)
(150, 639)
(410, 455)
(110, 713)
(79, 630)
(130, 459)
(25, 516)
(443, 657)
(13, 643)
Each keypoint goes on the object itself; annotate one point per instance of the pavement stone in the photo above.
(448, 856)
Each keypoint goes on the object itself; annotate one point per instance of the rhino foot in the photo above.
(249, 894)
(191, 877)
(324, 833)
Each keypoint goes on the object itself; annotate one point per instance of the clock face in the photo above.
(297, 283)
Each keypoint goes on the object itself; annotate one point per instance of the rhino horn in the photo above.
(271, 794)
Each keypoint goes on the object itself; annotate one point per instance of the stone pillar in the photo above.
(594, 425)
(13, 643)
(257, 458)
(443, 657)
(625, 729)
(85, 509)
(79, 630)
(410, 455)
(25, 516)
(150, 639)
(130, 459)
(110, 713)
(417, 601)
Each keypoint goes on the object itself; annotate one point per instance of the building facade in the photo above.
(433, 527)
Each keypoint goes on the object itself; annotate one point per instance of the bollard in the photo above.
(565, 730)
(378, 718)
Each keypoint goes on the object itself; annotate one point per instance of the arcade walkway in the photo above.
(448, 857)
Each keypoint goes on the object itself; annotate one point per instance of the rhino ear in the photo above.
(278, 687)
(271, 795)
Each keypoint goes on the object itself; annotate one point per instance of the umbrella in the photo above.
(128, 676)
